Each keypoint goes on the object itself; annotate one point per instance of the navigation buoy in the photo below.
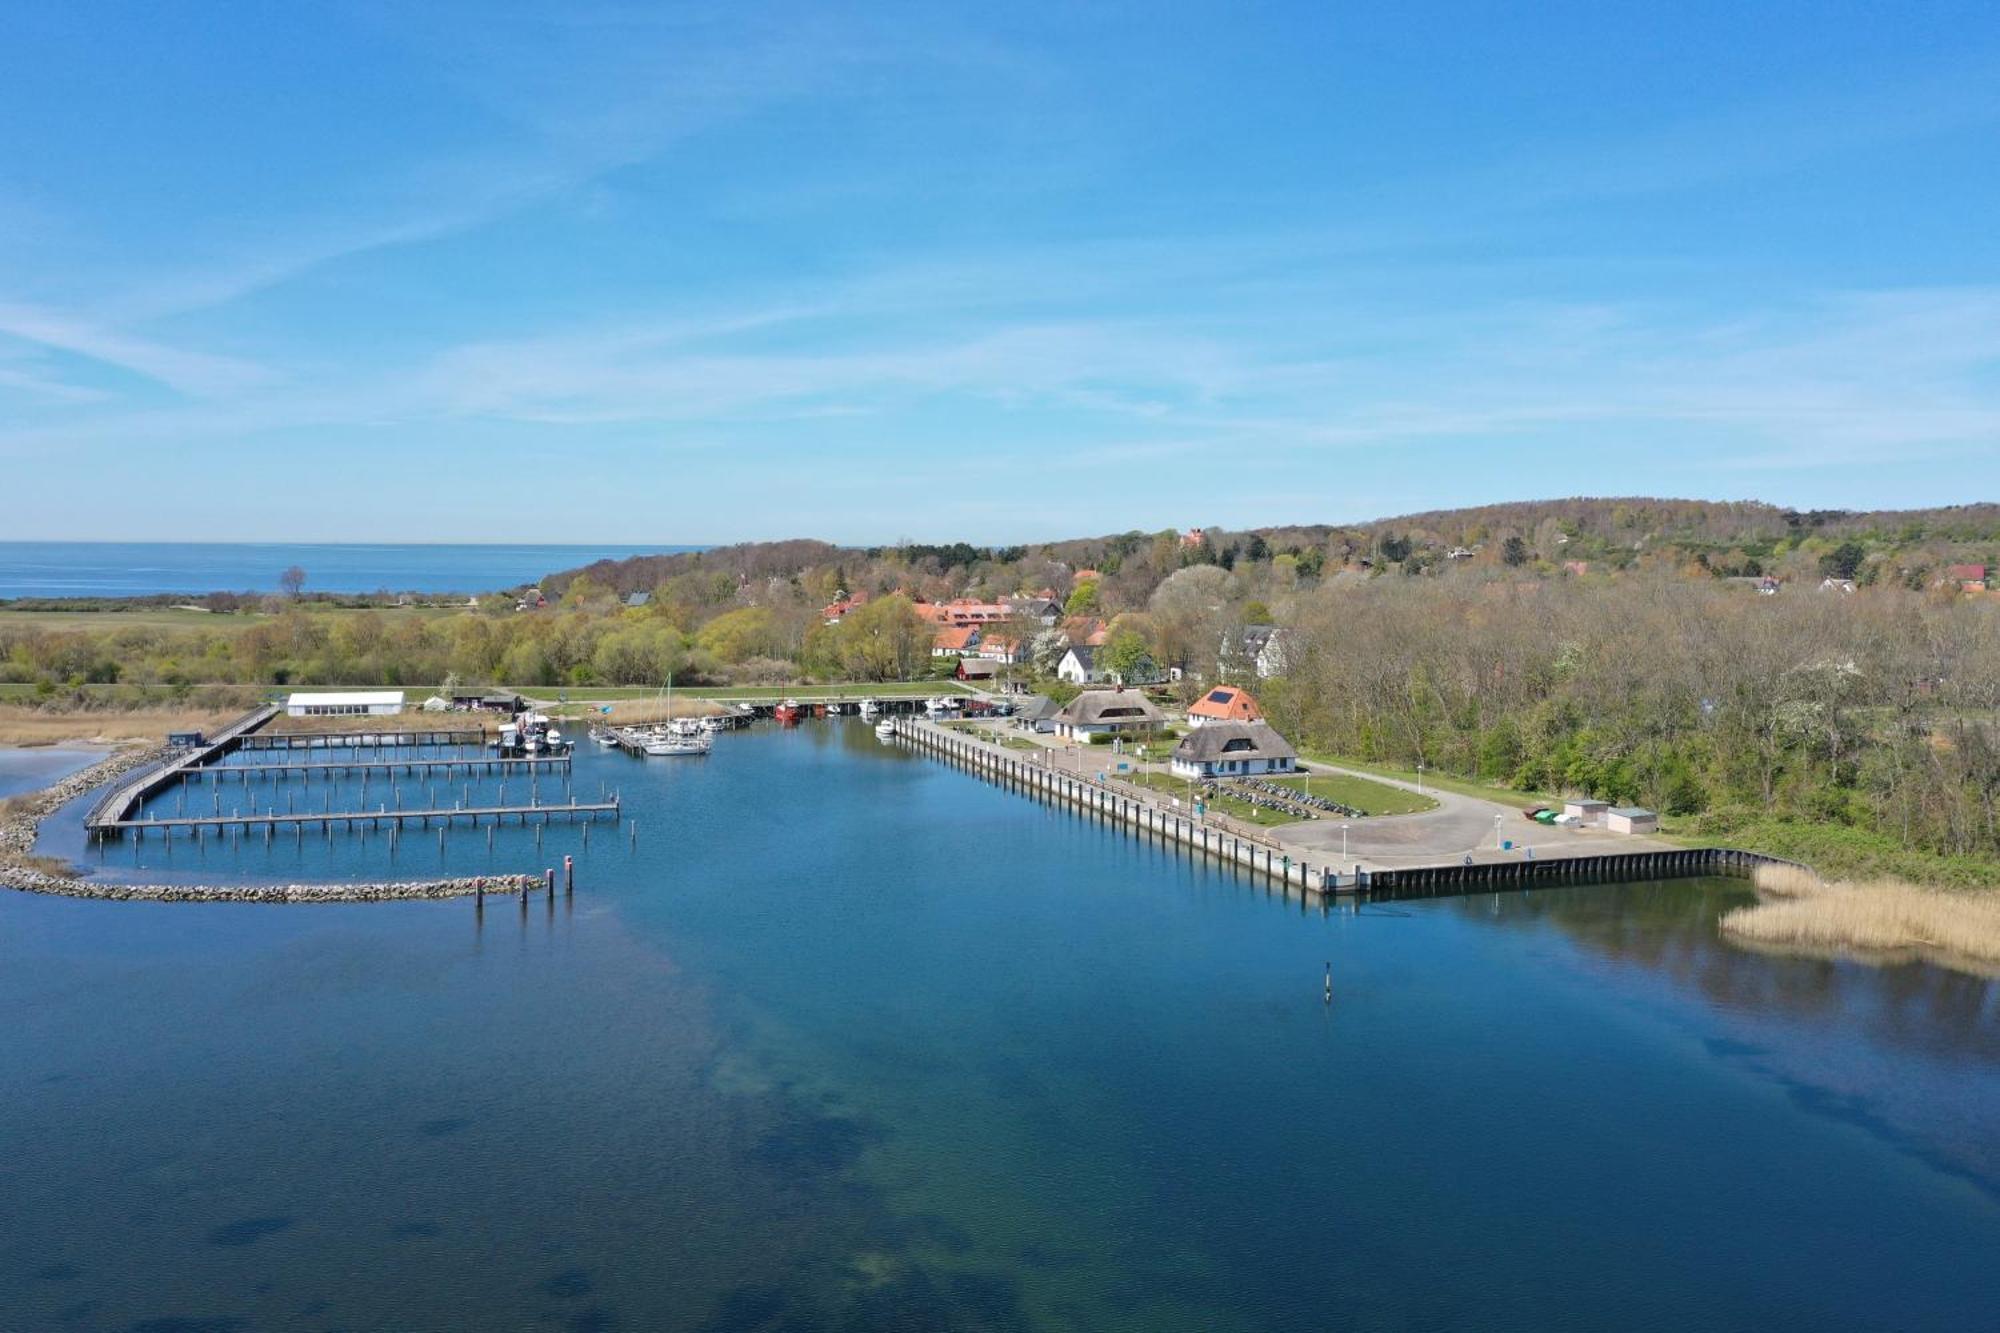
(1329, 982)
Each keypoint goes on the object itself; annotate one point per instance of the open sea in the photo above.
(144, 569)
(845, 1039)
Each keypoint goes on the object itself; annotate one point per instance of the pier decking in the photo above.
(374, 818)
(387, 738)
(557, 763)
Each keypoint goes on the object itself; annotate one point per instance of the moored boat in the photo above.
(787, 712)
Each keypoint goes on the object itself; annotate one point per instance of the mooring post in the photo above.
(550, 880)
(569, 876)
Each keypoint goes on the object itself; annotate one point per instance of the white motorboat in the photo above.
(604, 735)
(668, 741)
(885, 730)
(870, 709)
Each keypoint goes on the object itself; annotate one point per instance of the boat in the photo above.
(787, 712)
(603, 736)
(885, 730)
(671, 741)
(870, 709)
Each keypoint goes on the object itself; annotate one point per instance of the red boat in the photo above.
(787, 713)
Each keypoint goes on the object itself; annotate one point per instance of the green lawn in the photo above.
(1370, 798)
(1168, 784)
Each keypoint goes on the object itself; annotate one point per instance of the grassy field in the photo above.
(1370, 798)
(1169, 785)
(195, 618)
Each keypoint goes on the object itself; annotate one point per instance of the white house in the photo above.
(349, 703)
(1271, 655)
(1233, 749)
(1079, 665)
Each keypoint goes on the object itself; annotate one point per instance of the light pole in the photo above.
(1496, 832)
(1420, 777)
(1343, 842)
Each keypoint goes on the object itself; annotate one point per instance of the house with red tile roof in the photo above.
(955, 641)
(1972, 578)
(1224, 703)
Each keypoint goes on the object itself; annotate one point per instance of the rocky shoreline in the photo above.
(19, 868)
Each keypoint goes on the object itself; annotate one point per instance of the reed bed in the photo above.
(26, 726)
(1879, 919)
(633, 712)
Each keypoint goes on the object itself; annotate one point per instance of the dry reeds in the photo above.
(1881, 919)
(25, 726)
(633, 712)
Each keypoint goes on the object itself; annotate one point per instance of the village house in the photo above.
(636, 600)
(960, 641)
(1037, 713)
(1969, 578)
(977, 670)
(1079, 665)
(1259, 648)
(1108, 713)
(1233, 749)
(1001, 648)
(1041, 608)
(843, 606)
(1193, 537)
(1224, 703)
(962, 611)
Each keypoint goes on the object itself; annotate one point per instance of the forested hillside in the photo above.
(1824, 683)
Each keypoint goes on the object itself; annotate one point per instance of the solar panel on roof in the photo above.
(1221, 696)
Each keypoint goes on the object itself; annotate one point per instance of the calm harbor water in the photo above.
(851, 1040)
(145, 569)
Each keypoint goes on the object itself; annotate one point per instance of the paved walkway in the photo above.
(1459, 827)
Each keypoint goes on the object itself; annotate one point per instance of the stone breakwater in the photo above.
(21, 869)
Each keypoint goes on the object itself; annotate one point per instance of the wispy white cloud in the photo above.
(191, 372)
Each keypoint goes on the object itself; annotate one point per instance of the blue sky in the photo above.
(680, 273)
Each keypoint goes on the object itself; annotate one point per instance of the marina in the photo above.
(985, 1070)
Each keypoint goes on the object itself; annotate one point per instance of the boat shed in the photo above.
(1631, 819)
(347, 703)
(1587, 813)
(1233, 750)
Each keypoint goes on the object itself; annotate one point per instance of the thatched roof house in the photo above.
(1233, 749)
(1108, 712)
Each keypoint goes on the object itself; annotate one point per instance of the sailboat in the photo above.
(677, 736)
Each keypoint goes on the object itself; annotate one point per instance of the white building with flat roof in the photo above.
(345, 703)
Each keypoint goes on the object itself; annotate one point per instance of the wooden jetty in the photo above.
(376, 818)
(559, 763)
(121, 800)
(387, 738)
